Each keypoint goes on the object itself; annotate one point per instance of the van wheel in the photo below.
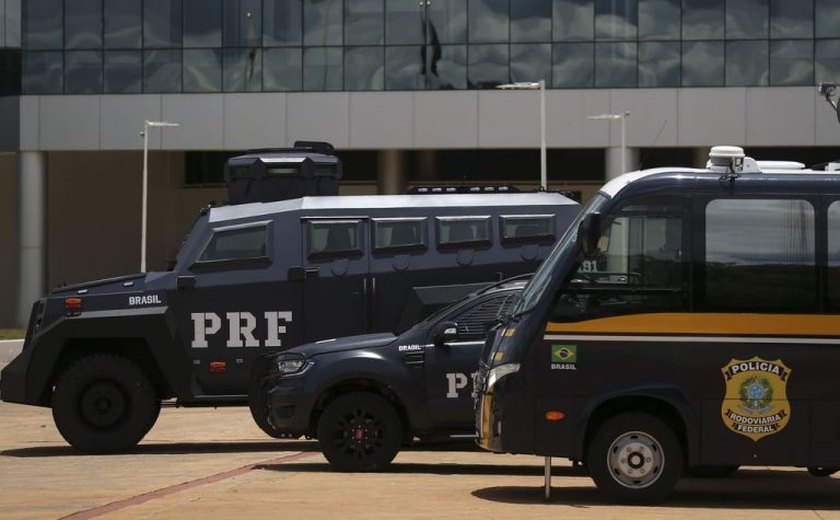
(819, 471)
(104, 404)
(711, 471)
(360, 431)
(635, 457)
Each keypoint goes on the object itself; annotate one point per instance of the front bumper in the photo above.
(289, 405)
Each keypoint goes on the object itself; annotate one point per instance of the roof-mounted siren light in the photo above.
(731, 159)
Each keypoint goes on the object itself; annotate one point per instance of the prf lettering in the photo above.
(241, 327)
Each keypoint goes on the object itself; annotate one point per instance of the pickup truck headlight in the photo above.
(290, 363)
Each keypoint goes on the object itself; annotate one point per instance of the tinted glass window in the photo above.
(323, 68)
(43, 72)
(488, 65)
(760, 256)
(202, 70)
(404, 68)
(236, 244)
(367, 71)
(522, 227)
(399, 233)
(83, 25)
(447, 70)
(447, 21)
(123, 72)
(826, 60)
(791, 19)
(458, 230)
(282, 22)
(162, 71)
(747, 19)
(616, 19)
(404, 22)
(615, 64)
(746, 63)
(530, 21)
(12, 25)
(474, 323)
(573, 20)
(573, 65)
(659, 64)
(122, 24)
(83, 70)
(334, 236)
(659, 19)
(530, 61)
(322, 22)
(834, 256)
(242, 70)
(827, 17)
(282, 69)
(702, 19)
(791, 62)
(202, 23)
(702, 64)
(42, 28)
(162, 23)
(489, 21)
(364, 22)
(242, 23)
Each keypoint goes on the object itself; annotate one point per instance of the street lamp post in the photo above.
(613, 117)
(534, 86)
(144, 217)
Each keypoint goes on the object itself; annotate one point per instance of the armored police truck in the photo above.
(365, 396)
(688, 319)
(261, 276)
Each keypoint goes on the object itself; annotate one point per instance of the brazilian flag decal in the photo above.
(563, 353)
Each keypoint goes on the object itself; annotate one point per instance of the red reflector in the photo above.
(72, 305)
(218, 367)
(554, 416)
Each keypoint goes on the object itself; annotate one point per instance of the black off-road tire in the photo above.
(711, 471)
(635, 458)
(104, 404)
(360, 431)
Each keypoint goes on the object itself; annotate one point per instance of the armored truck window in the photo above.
(463, 230)
(527, 227)
(392, 233)
(236, 244)
(333, 237)
(760, 256)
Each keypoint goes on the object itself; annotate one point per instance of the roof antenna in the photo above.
(829, 92)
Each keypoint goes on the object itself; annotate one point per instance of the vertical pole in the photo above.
(32, 229)
(543, 166)
(623, 146)
(145, 197)
(547, 477)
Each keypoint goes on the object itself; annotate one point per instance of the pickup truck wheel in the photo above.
(104, 404)
(636, 458)
(360, 431)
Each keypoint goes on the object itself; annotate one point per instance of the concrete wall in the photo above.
(8, 240)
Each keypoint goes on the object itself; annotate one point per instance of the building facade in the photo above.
(405, 90)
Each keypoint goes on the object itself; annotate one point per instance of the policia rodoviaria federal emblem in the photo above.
(755, 404)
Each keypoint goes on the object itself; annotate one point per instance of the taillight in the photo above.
(72, 306)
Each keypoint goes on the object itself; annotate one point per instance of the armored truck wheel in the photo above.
(635, 457)
(104, 404)
(360, 431)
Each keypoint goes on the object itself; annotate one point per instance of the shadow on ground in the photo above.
(753, 489)
(175, 448)
(433, 469)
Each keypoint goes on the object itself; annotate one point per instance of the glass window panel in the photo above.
(827, 60)
(161, 23)
(659, 64)
(202, 23)
(448, 68)
(747, 19)
(3, 23)
(242, 23)
(791, 62)
(489, 21)
(834, 256)
(242, 70)
(615, 65)
(404, 68)
(791, 18)
(760, 255)
(83, 72)
(530, 21)
(42, 27)
(236, 244)
(463, 230)
(43, 72)
(702, 64)
(162, 71)
(531, 227)
(13, 23)
(83, 25)
(399, 233)
(404, 23)
(573, 20)
(530, 62)
(364, 68)
(282, 69)
(573, 65)
(282, 22)
(364, 22)
(702, 19)
(323, 68)
(827, 16)
(202, 70)
(123, 72)
(746, 63)
(334, 236)
(659, 19)
(487, 66)
(322, 22)
(447, 21)
(122, 24)
(616, 19)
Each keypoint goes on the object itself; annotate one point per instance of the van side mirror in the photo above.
(589, 233)
(445, 332)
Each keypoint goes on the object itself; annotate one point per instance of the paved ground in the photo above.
(9, 348)
(205, 463)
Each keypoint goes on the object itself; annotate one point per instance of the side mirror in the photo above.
(589, 234)
(445, 332)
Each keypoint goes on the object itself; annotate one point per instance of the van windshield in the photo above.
(536, 287)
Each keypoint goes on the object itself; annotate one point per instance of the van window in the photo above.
(527, 227)
(236, 244)
(834, 256)
(334, 237)
(390, 233)
(463, 230)
(760, 256)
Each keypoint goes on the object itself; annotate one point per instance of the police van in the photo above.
(363, 397)
(261, 276)
(687, 321)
